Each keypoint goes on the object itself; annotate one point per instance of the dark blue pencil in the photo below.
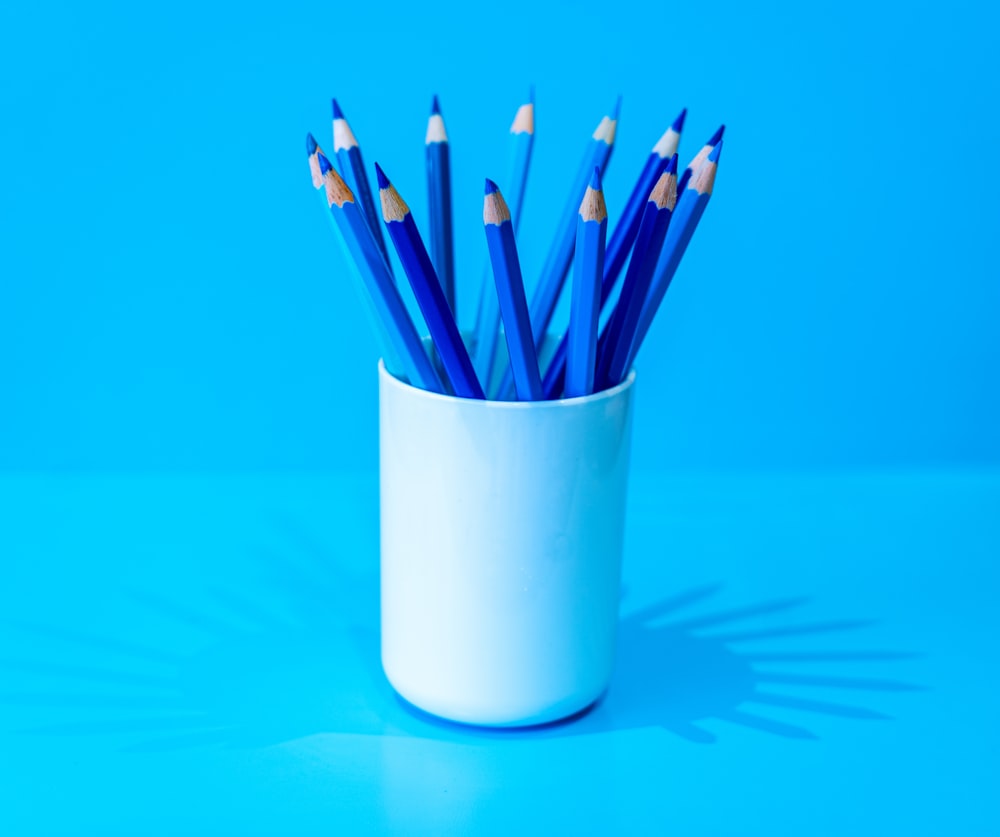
(588, 269)
(621, 240)
(522, 139)
(352, 168)
(376, 283)
(427, 289)
(690, 207)
(556, 267)
(611, 365)
(510, 293)
(439, 203)
(699, 158)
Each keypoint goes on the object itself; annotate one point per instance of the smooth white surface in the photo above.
(501, 542)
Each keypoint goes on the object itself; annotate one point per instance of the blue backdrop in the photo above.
(172, 296)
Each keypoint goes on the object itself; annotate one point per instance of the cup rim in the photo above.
(579, 400)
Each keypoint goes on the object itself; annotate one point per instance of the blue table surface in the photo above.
(799, 654)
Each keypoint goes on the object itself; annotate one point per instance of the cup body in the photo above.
(501, 542)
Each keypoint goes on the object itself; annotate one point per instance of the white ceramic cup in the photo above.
(501, 526)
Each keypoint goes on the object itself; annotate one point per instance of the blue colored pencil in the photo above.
(699, 158)
(427, 289)
(522, 139)
(614, 355)
(376, 284)
(556, 267)
(543, 303)
(690, 208)
(352, 167)
(621, 241)
(439, 203)
(588, 269)
(510, 293)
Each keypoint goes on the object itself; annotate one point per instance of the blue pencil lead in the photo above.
(324, 164)
(311, 144)
(337, 112)
(531, 94)
(672, 165)
(678, 125)
(717, 136)
(595, 179)
(383, 181)
(618, 108)
(713, 156)
(491, 187)
(435, 106)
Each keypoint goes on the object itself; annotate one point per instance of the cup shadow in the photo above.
(295, 652)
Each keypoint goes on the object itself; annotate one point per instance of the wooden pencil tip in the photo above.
(595, 179)
(324, 164)
(383, 181)
(311, 144)
(672, 165)
(717, 136)
(491, 187)
(713, 156)
(337, 112)
(678, 125)
(435, 105)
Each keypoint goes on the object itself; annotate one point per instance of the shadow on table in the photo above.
(295, 653)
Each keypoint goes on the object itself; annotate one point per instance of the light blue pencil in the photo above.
(376, 284)
(522, 139)
(510, 292)
(543, 303)
(690, 207)
(352, 168)
(588, 270)
(439, 203)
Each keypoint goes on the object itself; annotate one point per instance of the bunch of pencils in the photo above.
(605, 330)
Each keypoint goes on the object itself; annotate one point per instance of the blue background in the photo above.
(172, 297)
(188, 420)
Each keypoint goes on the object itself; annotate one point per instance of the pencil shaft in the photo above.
(514, 309)
(439, 205)
(581, 336)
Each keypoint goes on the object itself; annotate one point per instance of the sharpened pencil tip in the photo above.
(324, 164)
(617, 109)
(491, 187)
(337, 112)
(672, 165)
(595, 179)
(311, 144)
(435, 105)
(383, 181)
(678, 125)
(713, 156)
(717, 136)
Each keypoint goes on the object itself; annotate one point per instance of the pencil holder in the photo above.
(501, 527)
